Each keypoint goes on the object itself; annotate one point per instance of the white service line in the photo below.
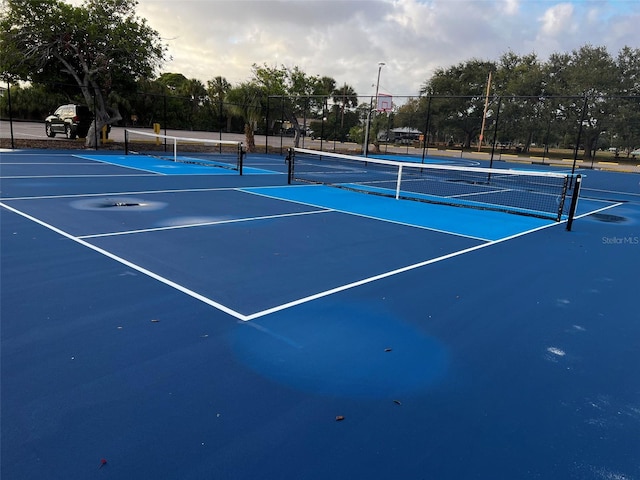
(202, 224)
(473, 194)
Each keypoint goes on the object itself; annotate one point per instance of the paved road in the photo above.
(35, 130)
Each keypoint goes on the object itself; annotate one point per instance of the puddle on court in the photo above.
(349, 351)
(608, 218)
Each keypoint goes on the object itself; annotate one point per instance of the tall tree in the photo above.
(184, 98)
(588, 77)
(194, 92)
(298, 92)
(462, 90)
(347, 98)
(412, 114)
(100, 46)
(626, 123)
(519, 82)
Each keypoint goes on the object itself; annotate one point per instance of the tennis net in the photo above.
(198, 151)
(538, 194)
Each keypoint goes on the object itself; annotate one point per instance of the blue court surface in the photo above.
(174, 321)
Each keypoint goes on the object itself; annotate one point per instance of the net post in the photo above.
(574, 201)
(126, 142)
(289, 160)
(240, 157)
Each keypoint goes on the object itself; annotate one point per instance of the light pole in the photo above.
(368, 126)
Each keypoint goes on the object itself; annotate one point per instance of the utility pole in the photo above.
(368, 126)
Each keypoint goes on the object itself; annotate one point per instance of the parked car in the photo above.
(71, 120)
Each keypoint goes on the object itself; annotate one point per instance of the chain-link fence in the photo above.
(579, 127)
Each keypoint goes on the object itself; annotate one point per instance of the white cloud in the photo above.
(347, 39)
(512, 7)
(557, 19)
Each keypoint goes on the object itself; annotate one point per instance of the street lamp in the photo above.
(368, 126)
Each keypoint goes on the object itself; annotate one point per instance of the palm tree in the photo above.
(246, 101)
(217, 90)
(346, 97)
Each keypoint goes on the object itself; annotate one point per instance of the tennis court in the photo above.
(174, 320)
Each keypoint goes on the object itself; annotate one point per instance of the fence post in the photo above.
(495, 133)
(425, 146)
(266, 127)
(575, 150)
(13, 146)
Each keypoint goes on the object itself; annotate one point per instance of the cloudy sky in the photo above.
(347, 39)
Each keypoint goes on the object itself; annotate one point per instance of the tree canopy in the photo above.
(586, 94)
(99, 47)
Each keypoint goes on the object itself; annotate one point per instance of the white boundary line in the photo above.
(597, 211)
(129, 264)
(299, 301)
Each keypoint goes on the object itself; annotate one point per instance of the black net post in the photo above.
(241, 153)
(126, 142)
(289, 160)
(574, 201)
